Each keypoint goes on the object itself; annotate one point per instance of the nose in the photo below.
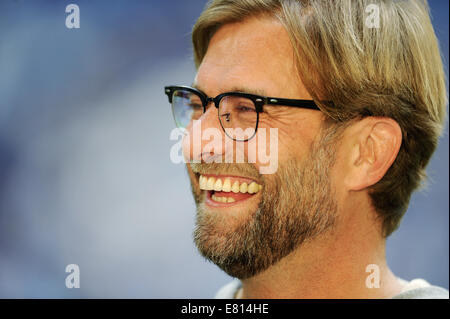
(206, 138)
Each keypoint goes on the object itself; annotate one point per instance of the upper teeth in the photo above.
(218, 185)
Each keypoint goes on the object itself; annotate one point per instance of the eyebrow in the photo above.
(241, 89)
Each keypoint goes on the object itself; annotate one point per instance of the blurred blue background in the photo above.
(85, 174)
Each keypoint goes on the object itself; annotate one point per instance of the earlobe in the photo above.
(378, 141)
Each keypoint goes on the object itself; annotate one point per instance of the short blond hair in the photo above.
(394, 70)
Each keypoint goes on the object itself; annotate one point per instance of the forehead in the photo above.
(255, 54)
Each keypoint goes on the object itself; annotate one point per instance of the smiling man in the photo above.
(358, 107)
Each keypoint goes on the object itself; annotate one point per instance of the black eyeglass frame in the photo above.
(258, 100)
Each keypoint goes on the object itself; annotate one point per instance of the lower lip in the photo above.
(239, 198)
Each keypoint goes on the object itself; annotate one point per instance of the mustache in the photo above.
(240, 169)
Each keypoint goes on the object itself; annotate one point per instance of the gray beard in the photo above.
(297, 205)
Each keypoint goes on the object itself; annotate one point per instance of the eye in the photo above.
(196, 106)
(244, 108)
(195, 103)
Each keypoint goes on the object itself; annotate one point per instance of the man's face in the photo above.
(248, 233)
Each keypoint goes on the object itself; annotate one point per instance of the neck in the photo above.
(330, 266)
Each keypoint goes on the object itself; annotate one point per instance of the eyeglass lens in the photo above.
(237, 114)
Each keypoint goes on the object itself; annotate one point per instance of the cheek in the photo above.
(186, 147)
(187, 143)
(275, 145)
(266, 148)
(293, 135)
(286, 140)
(296, 133)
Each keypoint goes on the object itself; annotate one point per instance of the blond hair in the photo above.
(394, 70)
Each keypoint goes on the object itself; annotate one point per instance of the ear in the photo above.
(372, 145)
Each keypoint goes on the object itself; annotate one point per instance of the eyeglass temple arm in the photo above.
(308, 104)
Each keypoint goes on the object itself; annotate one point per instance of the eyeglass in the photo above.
(238, 112)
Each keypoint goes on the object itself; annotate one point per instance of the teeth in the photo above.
(203, 180)
(217, 185)
(210, 184)
(253, 188)
(222, 199)
(235, 187)
(226, 185)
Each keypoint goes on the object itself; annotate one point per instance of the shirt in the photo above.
(414, 289)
